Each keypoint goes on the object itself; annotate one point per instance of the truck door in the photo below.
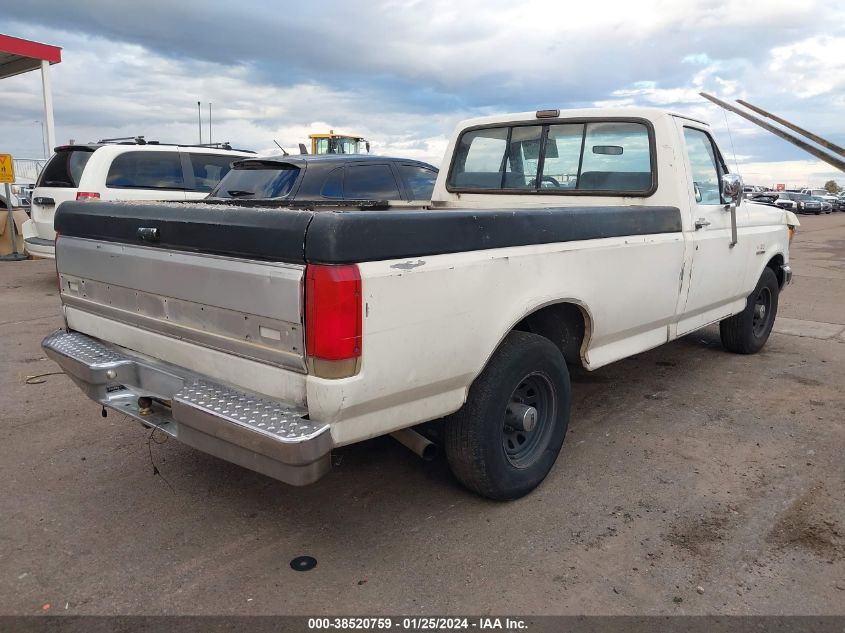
(716, 268)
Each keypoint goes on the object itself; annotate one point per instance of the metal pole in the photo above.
(209, 122)
(199, 120)
(824, 156)
(43, 139)
(48, 105)
(11, 220)
(813, 137)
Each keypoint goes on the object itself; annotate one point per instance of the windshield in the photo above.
(65, 168)
(257, 180)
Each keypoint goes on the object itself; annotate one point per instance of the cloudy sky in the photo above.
(404, 72)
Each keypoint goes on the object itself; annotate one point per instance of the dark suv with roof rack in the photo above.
(122, 169)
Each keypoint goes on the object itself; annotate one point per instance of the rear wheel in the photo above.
(506, 438)
(748, 331)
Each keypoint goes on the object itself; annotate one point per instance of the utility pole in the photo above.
(199, 120)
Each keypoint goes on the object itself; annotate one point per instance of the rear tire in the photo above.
(486, 451)
(748, 331)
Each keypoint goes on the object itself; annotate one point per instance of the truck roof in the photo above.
(636, 112)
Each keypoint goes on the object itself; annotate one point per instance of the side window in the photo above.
(146, 170)
(333, 186)
(419, 181)
(209, 169)
(706, 166)
(562, 156)
(523, 157)
(370, 182)
(479, 158)
(617, 157)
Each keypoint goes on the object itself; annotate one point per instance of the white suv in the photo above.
(126, 170)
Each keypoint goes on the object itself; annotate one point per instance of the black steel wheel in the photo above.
(762, 313)
(506, 438)
(529, 418)
(748, 331)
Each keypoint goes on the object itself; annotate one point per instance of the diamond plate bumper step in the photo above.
(265, 435)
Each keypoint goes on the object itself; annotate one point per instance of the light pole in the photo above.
(199, 120)
(43, 139)
(209, 122)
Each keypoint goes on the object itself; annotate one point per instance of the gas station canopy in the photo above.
(19, 56)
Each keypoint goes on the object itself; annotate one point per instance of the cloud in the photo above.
(403, 73)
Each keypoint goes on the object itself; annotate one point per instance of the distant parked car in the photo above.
(126, 170)
(21, 192)
(329, 178)
(798, 202)
(765, 197)
(827, 206)
(751, 191)
(825, 196)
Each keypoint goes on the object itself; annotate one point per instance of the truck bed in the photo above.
(340, 235)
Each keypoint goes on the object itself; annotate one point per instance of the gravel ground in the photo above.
(693, 481)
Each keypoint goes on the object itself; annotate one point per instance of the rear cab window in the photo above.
(65, 168)
(146, 170)
(597, 157)
(257, 179)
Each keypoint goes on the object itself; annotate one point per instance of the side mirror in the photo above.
(732, 186)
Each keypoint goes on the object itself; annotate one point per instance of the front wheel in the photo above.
(506, 438)
(748, 331)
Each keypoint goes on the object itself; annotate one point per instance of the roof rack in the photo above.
(137, 140)
(224, 145)
(140, 140)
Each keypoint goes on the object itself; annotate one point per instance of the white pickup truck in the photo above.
(268, 336)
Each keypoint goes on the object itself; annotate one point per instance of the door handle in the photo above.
(700, 223)
(148, 234)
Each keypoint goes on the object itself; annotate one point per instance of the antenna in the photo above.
(730, 136)
(280, 147)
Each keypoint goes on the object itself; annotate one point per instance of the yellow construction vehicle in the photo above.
(332, 143)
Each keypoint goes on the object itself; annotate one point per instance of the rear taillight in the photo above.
(333, 320)
(87, 195)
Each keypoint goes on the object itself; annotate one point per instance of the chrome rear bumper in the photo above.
(265, 435)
